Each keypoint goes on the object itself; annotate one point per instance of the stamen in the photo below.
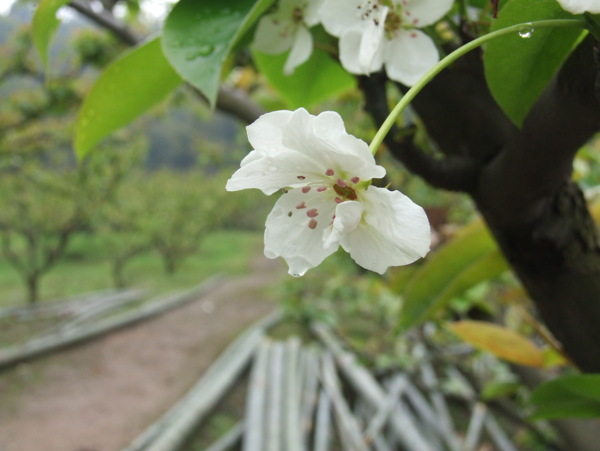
(301, 205)
(355, 180)
(305, 189)
(321, 188)
(312, 213)
(338, 200)
(312, 224)
(329, 172)
(300, 177)
(342, 183)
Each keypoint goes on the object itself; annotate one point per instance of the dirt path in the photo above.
(101, 395)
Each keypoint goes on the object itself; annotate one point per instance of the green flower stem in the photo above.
(449, 59)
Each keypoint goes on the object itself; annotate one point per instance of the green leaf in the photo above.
(127, 88)
(575, 396)
(44, 25)
(470, 258)
(198, 36)
(317, 79)
(519, 67)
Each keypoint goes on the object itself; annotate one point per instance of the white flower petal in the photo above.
(339, 16)
(274, 34)
(349, 46)
(394, 231)
(409, 55)
(324, 140)
(347, 217)
(301, 49)
(371, 41)
(580, 6)
(311, 13)
(293, 149)
(290, 233)
(426, 12)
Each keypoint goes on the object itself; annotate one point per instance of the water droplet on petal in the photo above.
(526, 31)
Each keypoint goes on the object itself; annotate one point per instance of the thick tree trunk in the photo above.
(520, 182)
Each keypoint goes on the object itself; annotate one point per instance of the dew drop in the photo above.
(526, 31)
(202, 51)
(206, 49)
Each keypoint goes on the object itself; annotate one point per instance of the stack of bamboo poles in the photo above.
(317, 397)
(89, 323)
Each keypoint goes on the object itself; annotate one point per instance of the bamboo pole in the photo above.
(36, 347)
(322, 435)
(475, 428)
(171, 431)
(275, 400)
(309, 391)
(365, 384)
(348, 428)
(256, 399)
(385, 410)
(444, 419)
(292, 394)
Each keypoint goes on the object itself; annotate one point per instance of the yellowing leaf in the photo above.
(501, 342)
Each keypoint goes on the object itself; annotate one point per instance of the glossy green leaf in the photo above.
(575, 396)
(44, 25)
(519, 67)
(127, 88)
(316, 80)
(198, 36)
(470, 258)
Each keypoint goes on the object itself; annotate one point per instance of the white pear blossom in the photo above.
(580, 6)
(287, 28)
(328, 198)
(377, 33)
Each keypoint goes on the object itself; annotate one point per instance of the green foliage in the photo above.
(314, 81)
(518, 68)
(142, 76)
(471, 257)
(198, 37)
(574, 396)
(44, 25)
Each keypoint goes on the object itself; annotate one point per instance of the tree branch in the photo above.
(229, 100)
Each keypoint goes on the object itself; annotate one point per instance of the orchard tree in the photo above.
(181, 210)
(505, 121)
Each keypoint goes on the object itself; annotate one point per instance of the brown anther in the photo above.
(300, 177)
(355, 180)
(329, 172)
(321, 188)
(342, 183)
(345, 192)
(312, 224)
(300, 206)
(305, 189)
(338, 200)
(312, 213)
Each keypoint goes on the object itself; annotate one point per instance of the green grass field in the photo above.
(87, 269)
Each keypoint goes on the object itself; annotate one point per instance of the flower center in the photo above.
(344, 188)
(345, 192)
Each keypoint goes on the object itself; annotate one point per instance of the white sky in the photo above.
(156, 8)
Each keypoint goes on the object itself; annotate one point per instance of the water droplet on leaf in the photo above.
(201, 51)
(526, 31)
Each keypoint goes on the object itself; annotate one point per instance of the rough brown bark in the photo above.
(520, 182)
